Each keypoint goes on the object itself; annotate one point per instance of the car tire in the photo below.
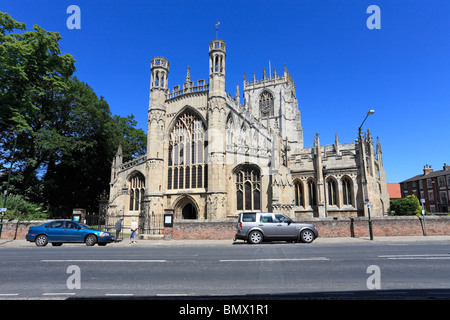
(307, 236)
(41, 240)
(255, 237)
(90, 240)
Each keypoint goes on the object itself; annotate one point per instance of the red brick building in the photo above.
(433, 186)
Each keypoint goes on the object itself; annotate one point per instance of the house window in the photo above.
(186, 159)
(248, 189)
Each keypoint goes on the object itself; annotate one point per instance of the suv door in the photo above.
(285, 228)
(266, 222)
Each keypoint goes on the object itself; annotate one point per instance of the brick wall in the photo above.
(328, 227)
(13, 229)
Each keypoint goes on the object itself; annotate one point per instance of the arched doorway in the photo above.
(189, 212)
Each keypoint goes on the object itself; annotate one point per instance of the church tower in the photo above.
(155, 136)
(216, 205)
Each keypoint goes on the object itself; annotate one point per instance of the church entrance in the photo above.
(189, 212)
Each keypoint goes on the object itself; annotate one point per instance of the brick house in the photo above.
(433, 186)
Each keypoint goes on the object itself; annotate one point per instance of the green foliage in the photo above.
(406, 206)
(21, 209)
(66, 135)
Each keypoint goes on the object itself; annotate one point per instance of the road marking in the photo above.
(442, 256)
(119, 294)
(58, 294)
(8, 294)
(270, 260)
(105, 261)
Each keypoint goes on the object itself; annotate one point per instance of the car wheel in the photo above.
(41, 240)
(307, 236)
(90, 240)
(255, 237)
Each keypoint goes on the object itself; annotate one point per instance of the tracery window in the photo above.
(298, 195)
(266, 103)
(347, 191)
(248, 189)
(137, 191)
(186, 159)
(332, 192)
(312, 193)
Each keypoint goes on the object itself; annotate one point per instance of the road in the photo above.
(419, 270)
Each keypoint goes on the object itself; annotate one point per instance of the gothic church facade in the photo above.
(211, 155)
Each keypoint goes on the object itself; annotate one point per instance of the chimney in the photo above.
(427, 169)
(446, 166)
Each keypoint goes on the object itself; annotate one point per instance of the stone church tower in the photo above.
(211, 155)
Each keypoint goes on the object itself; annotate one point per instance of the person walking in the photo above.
(133, 231)
(118, 227)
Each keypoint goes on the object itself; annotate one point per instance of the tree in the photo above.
(66, 135)
(406, 206)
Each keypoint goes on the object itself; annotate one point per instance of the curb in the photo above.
(228, 242)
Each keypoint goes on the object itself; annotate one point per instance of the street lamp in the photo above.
(368, 203)
(368, 114)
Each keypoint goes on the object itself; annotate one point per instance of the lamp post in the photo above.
(363, 166)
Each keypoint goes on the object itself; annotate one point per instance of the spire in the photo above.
(237, 93)
(264, 73)
(188, 75)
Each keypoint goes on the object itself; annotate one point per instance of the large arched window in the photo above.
(266, 103)
(248, 189)
(298, 193)
(186, 160)
(137, 191)
(347, 191)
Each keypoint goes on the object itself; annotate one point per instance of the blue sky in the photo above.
(340, 67)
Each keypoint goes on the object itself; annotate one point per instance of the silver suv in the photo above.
(256, 227)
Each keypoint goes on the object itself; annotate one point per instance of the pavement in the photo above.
(21, 243)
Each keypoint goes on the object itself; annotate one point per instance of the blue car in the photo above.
(62, 231)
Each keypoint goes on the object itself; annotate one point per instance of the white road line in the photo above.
(442, 256)
(106, 261)
(119, 294)
(58, 294)
(8, 294)
(270, 260)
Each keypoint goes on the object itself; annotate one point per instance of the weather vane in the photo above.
(217, 30)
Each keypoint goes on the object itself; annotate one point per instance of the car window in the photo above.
(55, 224)
(267, 217)
(281, 218)
(71, 225)
(248, 217)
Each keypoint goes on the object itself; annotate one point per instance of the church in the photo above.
(211, 155)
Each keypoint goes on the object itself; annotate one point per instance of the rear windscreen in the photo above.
(248, 217)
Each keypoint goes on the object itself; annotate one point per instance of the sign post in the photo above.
(370, 220)
(423, 215)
